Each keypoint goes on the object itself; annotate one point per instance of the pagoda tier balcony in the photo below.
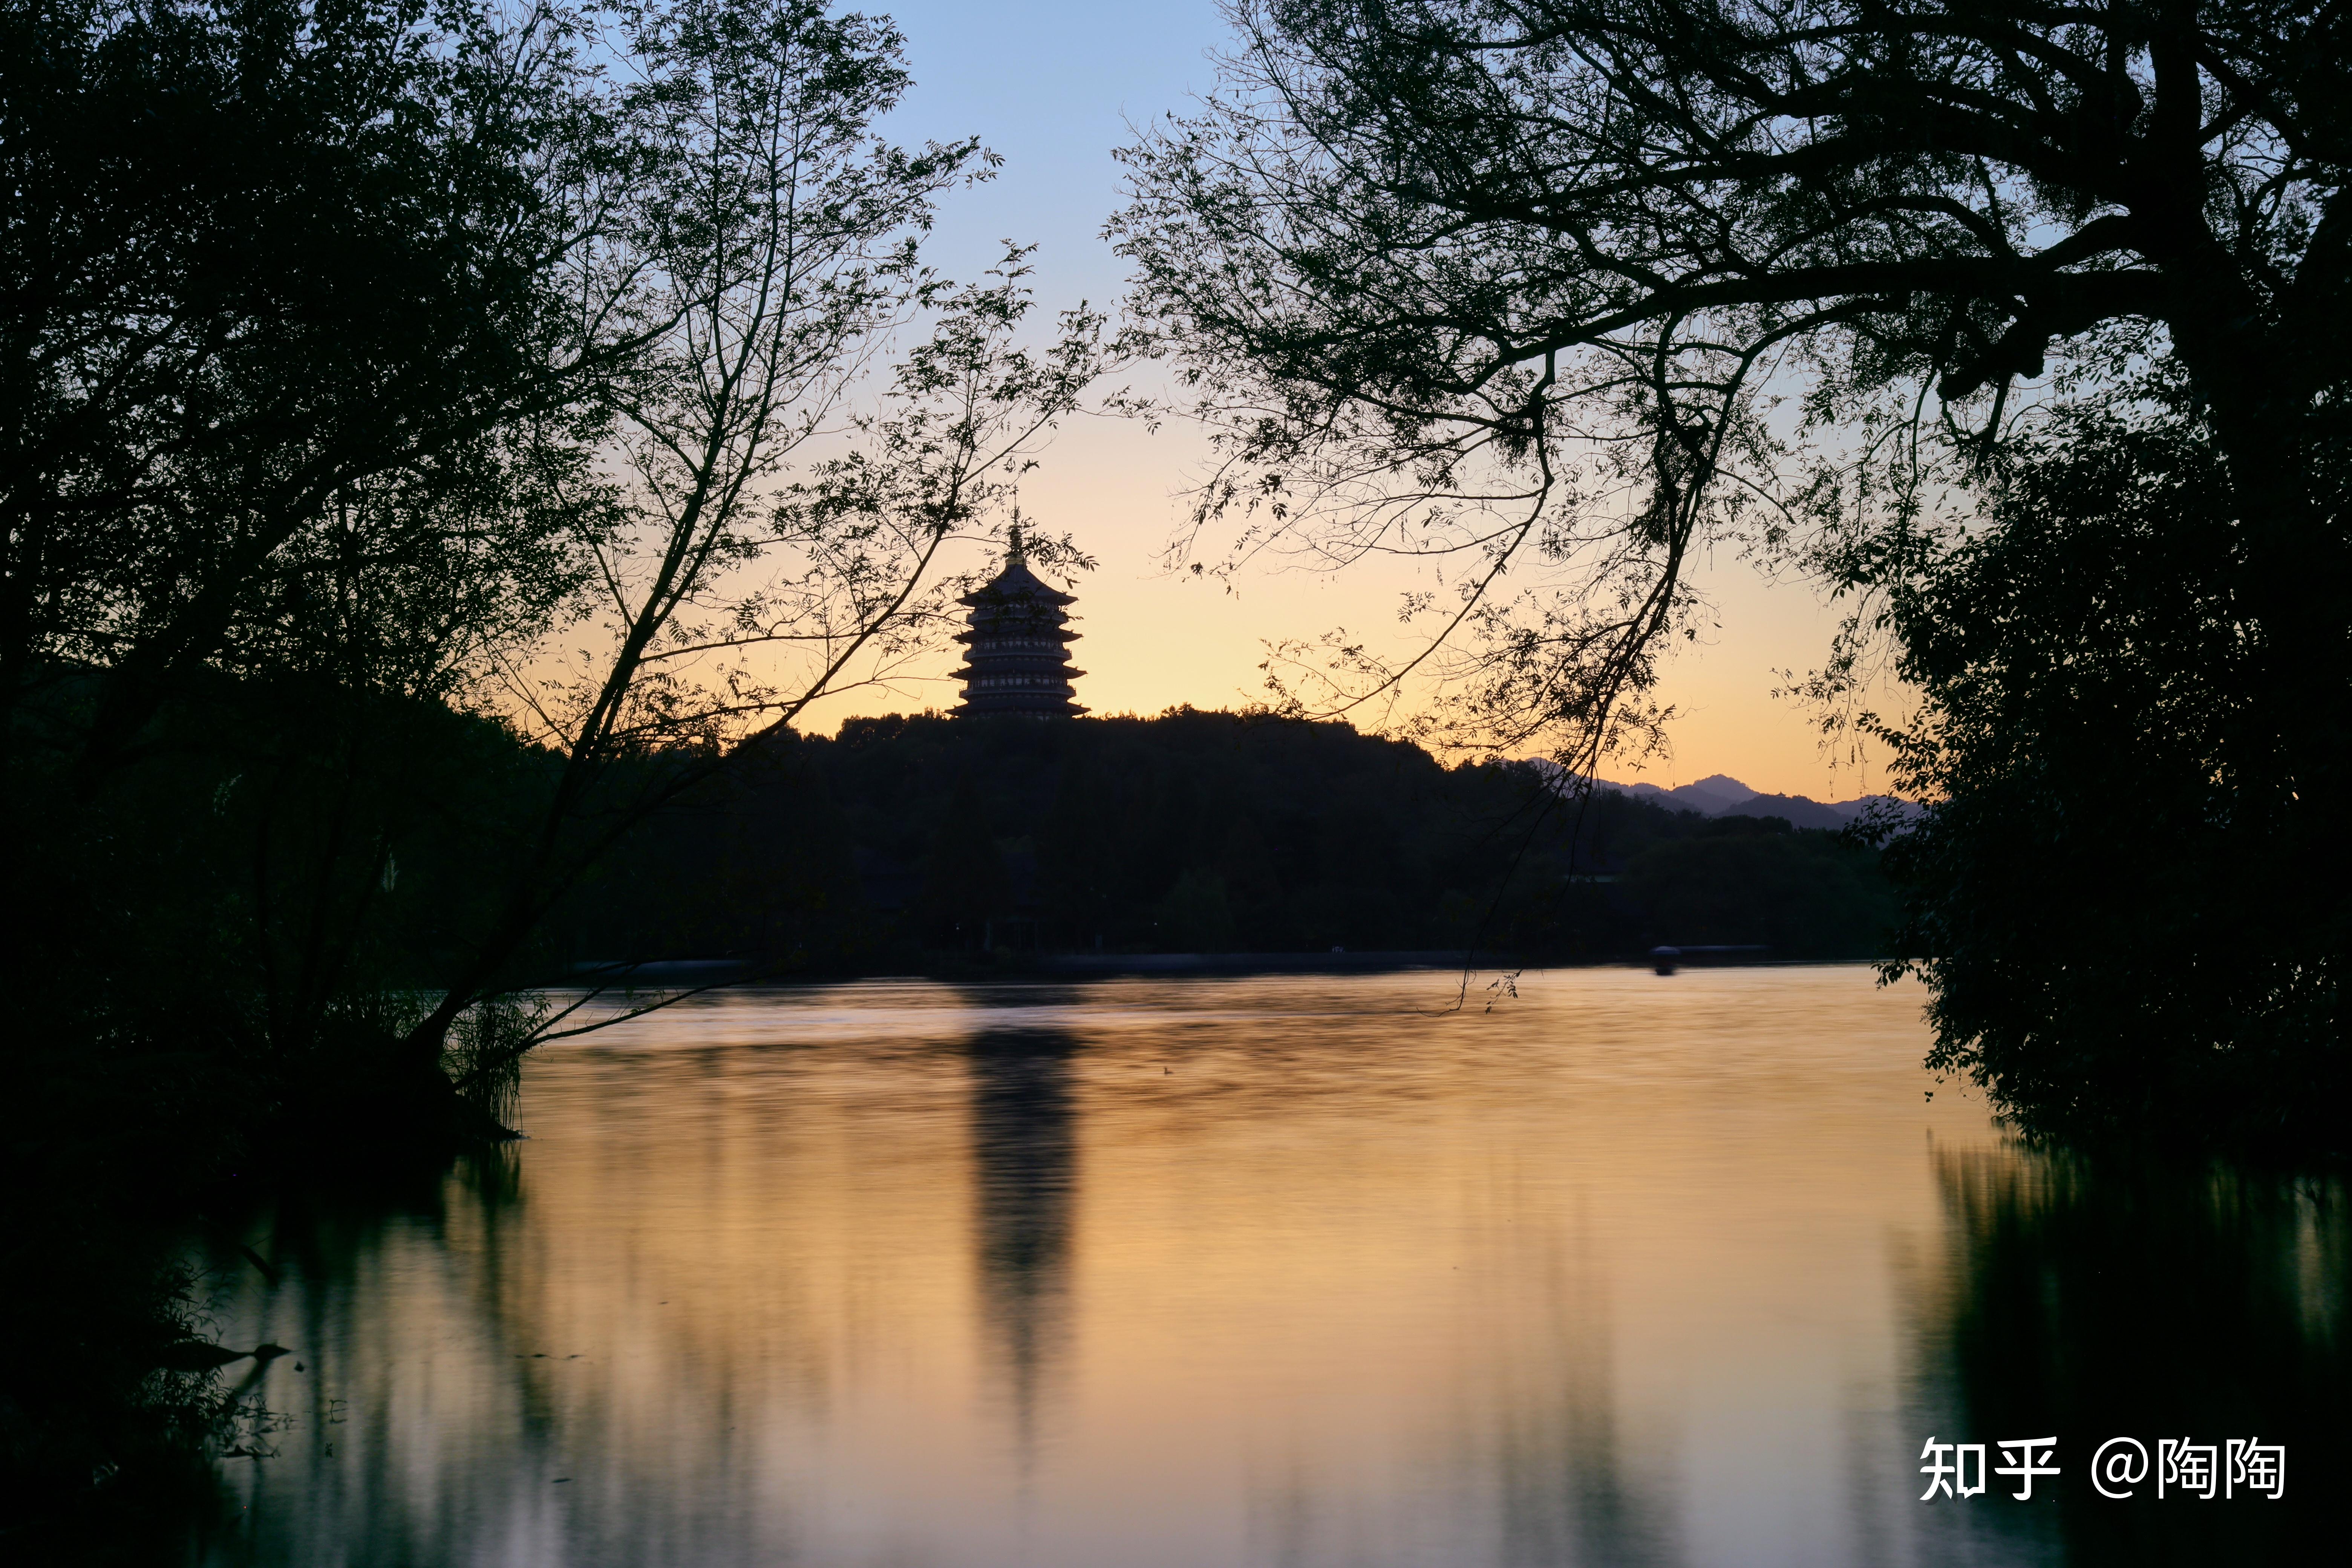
(1048, 674)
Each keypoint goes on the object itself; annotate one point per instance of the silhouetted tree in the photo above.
(1425, 257)
(273, 266)
(1528, 282)
(390, 443)
(2126, 921)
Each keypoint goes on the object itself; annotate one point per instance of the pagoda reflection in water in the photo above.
(1017, 648)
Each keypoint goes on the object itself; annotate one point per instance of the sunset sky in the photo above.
(1053, 86)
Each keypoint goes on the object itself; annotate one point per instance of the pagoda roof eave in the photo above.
(1014, 583)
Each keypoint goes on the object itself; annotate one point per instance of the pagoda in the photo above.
(1017, 649)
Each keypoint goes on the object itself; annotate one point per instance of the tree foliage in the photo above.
(2123, 925)
(1507, 277)
(1578, 287)
(272, 265)
(404, 471)
(381, 354)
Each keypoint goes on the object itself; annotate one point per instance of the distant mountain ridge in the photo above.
(1720, 795)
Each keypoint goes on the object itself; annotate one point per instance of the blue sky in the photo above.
(1052, 87)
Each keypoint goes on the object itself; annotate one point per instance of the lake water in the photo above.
(1303, 1270)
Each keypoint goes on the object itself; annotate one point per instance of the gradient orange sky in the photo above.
(1053, 86)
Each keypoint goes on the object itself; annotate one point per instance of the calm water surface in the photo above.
(1297, 1271)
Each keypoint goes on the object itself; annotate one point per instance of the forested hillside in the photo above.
(1195, 832)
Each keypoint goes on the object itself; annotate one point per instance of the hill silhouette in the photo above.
(1201, 832)
(1720, 795)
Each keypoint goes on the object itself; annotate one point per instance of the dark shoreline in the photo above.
(715, 974)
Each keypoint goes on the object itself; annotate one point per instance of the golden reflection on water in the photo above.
(1296, 1271)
